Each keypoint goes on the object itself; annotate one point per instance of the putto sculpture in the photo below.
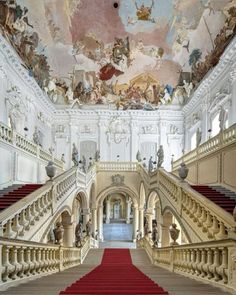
(58, 233)
(75, 155)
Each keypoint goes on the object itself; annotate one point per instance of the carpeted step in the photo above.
(219, 198)
(116, 275)
(15, 193)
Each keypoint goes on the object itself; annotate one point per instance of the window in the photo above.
(215, 129)
(193, 141)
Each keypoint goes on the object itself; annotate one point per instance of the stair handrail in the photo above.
(221, 140)
(25, 213)
(23, 260)
(210, 261)
(200, 212)
(11, 137)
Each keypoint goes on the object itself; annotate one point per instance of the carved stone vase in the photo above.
(50, 170)
(183, 171)
(174, 234)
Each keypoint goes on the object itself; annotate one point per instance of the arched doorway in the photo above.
(118, 207)
(118, 217)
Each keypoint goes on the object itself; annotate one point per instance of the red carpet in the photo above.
(12, 196)
(115, 275)
(218, 198)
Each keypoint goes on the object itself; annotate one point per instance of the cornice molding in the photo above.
(226, 62)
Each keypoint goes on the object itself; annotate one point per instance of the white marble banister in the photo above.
(212, 262)
(15, 139)
(18, 220)
(21, 260)
(117, 166)
(212, 145)
(204, 216)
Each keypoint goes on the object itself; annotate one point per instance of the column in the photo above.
(108, 209)
(135, 223)
(128, 207)
(94, 221)
(100, 223)
(86, 217)
(141, 221)
(68, 237)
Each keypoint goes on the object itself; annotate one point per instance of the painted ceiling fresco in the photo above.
(131, 53)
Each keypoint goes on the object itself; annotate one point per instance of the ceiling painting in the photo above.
(134, 54)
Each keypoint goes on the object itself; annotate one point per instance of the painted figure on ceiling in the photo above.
(144, 12)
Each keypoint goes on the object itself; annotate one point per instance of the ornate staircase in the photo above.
(14, 193)
(218, 197)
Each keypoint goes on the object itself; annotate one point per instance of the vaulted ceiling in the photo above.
(154, 37)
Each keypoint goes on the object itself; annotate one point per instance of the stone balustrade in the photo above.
(15, 139)
(117, 166)
(21, 260)
(23, 218)
(208, 220)
(212, 262)
(212, 145)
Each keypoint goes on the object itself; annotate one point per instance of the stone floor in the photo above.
(117, 232)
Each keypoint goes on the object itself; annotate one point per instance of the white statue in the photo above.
(150, 165)
(75, 155)
(69, 94)
(160, 155)
(166, 98)
(188, 87)
(36, 136)
(223, 116)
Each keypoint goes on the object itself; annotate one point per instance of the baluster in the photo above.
(209, 263)
(38, 260)
(9, 233)
(29, 217)
(27, 261)
(216, 264)
(198, 262)
(23, 222)
(33, 261)
(43, 262)
(16, 226)
(203, 264)
(14, 262)
(7, 267)
(21, 262)
(222, 232)
(203, 219)
(215, 228)
(34, 212)
(223, 269)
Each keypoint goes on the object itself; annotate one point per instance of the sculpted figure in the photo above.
(36, 137)
(138, 156)
(78, 235)
(155, 236)
(75, 155)
(88, 228)
(146, 229)
(97, 156)
(160, 155)
(222, 118)
(58, 233)
(150, 165)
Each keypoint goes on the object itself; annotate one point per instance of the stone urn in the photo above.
(58, 233)
(183, 171)
(50, 170)
(174, 234)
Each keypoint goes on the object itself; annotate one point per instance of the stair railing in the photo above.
(212, 261)
(201, 214)
(22, 219)
(22, 260)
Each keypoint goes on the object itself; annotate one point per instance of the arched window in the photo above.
(215, 125)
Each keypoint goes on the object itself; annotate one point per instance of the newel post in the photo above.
(60, 249)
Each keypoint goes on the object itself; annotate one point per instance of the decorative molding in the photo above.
(117, 179)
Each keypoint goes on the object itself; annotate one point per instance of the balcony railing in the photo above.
(216, 143)
(15, 139)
